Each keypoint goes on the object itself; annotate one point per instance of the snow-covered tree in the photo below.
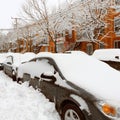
(85, 16)
(38, 12)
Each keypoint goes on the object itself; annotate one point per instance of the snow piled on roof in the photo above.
(89, 73)
(18, 58)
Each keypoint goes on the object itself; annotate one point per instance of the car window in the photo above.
(36, 68)
(9, 59)
(33, 60)
(46, 65)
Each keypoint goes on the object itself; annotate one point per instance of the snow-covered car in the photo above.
(82, 87)
(2, 59)
(109, 56)
(13, 60)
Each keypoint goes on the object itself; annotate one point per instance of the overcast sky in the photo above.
(11, 8)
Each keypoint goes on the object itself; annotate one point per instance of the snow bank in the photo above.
(20, 102)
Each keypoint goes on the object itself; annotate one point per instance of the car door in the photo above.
(47, 85)
(50, 82)
(8, 65)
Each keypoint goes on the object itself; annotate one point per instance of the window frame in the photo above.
(117, 25)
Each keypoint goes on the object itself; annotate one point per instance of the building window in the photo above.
(60, 47)
(58, 35)
(101, 45)
(99, 31)
(79, 33)
(46, 49)
(117, 44)
(70, 34)
(51, 49)
(117, 25)
(89, 48)
(117, 2)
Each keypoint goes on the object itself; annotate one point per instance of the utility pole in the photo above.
(16, 21)
(16, 24)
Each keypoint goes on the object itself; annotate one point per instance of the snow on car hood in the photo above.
(89, 73)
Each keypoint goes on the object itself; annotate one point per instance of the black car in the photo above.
(72, 82)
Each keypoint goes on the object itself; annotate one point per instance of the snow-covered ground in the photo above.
(20, 102)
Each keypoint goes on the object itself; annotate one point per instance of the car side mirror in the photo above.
(9, 63)
(48, 77)
(117, 57)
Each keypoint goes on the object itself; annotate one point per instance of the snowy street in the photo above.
(20, 102)
(60, 60)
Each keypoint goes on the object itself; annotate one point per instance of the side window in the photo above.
(9, 59)
(45, 65)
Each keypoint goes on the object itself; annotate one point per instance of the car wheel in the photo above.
(14, 78)
(4, 70)
(13, 75)
(19, 80)
(71, 112)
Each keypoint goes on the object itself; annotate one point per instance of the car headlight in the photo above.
(109, 110)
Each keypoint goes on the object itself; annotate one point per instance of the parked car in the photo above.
(82, 87)
(109, 56)
(2, 59)
(13, 60)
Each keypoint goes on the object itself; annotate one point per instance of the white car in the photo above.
(82, 87)
(13, 60)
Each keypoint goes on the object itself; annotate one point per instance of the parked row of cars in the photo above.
(82, 87)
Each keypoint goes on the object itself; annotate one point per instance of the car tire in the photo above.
(14, 78)
(4, 70)
(71, 112)
(19, 80)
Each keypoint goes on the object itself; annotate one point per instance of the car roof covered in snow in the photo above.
(107, 54)
(88, 72)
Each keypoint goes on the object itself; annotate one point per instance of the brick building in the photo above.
(70, 39)
(111, 36)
